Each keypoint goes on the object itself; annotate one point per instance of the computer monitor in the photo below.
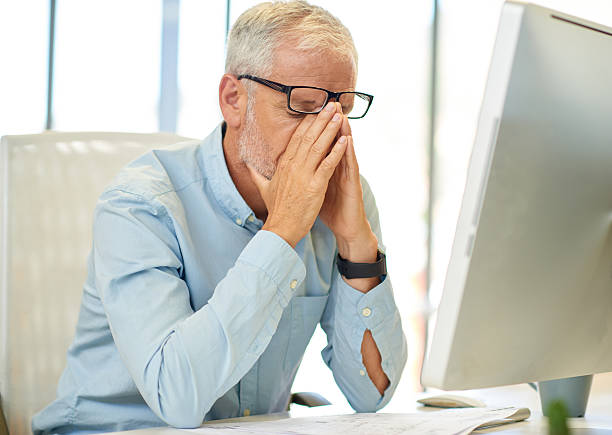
(528, 290)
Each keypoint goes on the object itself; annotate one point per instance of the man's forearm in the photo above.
(366, 252)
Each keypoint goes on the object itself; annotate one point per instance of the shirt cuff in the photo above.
(376, 311)
(373, 308)
(277, 259)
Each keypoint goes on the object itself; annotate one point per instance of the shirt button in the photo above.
(247, 412)
(239, 221)
(366, 312)
(293, 284)
(251, 218)
(362, 373)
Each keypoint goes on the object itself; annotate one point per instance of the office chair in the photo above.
(48, 190)
(49, 184)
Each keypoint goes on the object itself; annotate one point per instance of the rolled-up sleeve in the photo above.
(349, 313)
(182, 361)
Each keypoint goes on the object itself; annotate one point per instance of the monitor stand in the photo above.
(573, 392)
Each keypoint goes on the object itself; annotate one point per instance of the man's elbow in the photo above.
(369, 404)
(174, 397)
(180, 413)
(183, 420)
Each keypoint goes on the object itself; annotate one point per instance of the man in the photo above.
(213, 262)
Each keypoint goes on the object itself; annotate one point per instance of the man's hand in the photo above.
(343, 210)
(297, 189)
(344, 213)
(311, 180)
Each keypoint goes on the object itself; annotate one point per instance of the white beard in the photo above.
(252, 148)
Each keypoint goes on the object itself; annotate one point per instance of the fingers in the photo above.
(345, 130)
(322, 145)
(306, 136)
(296, 140)
(352, 167)
(328, 165)
(348, 169)
(321, 122)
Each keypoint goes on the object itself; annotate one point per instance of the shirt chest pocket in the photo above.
(305, 313)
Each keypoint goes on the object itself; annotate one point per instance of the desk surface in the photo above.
(598, 419)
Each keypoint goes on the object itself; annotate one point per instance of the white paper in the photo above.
(450, 421)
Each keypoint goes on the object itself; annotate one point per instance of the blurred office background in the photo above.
(145, 66)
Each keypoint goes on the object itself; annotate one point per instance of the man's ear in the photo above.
(232, 100)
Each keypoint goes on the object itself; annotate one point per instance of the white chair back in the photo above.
(49, 184)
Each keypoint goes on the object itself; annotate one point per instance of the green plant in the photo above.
(557, 418)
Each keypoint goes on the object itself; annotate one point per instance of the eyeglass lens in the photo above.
(312, 101)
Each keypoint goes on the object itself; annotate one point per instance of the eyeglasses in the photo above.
(311, 100)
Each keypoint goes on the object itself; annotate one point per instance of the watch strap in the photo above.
(352, 270)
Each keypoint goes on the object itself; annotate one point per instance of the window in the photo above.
(200, 65)
(107, 65)
(24, 45)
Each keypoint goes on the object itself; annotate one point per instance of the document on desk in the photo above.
(449, 421)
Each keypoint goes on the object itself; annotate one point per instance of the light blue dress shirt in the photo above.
(191, 312)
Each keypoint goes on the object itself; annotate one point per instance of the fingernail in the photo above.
(336, 117)
(342, 139)
(330, 107)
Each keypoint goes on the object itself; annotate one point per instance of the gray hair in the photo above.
(259, 31)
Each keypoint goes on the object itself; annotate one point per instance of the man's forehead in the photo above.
(330, 82)
(324, 69)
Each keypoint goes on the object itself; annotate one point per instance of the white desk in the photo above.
(598, 417)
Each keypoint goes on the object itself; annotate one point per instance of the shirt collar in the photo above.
(221, 184)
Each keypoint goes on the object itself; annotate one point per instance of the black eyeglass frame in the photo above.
(287, 91)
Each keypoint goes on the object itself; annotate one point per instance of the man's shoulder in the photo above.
(159, 171)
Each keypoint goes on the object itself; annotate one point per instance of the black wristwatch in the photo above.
(362, 270)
